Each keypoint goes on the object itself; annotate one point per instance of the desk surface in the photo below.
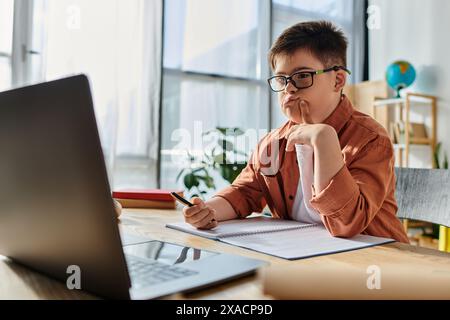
(18, 282)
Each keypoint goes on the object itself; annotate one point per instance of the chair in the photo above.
(424, 194)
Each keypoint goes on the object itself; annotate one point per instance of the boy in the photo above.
(351, 171)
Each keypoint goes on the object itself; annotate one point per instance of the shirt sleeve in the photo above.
(245, 194)
(356, 193)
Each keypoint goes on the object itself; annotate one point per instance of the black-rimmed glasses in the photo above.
(300, 79)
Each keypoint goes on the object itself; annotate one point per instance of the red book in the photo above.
(146, 194)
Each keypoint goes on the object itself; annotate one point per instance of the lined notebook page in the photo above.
(241, 227)
(303, 243)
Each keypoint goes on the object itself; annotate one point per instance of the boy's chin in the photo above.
(292, 117)
(296, 120)
(295, 117)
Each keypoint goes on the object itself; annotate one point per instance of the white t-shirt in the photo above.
(301, 209)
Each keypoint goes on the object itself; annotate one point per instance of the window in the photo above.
(215, 74)
(6, 37)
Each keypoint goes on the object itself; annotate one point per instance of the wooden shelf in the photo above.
(413, 97)
(415, 141)
(423, 141)
(382, 102)
(404, 104)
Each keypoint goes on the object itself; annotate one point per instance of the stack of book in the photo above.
(146, 198)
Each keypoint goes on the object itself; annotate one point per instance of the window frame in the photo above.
(263, 71)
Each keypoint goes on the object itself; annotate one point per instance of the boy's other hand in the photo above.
(200, 215)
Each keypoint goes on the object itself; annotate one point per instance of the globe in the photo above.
(399, 75)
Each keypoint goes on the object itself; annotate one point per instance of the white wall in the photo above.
(417, 31)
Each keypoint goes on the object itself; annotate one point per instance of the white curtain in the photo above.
(117, 43)
(6, 32)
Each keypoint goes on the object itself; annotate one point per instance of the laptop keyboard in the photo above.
(151, 272)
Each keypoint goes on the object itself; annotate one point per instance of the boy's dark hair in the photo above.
(321, 38)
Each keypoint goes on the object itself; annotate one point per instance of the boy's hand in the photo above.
(200, 215)
(306, 132)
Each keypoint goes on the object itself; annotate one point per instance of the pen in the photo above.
(184, 201)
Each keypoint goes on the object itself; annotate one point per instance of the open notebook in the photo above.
(285, 239)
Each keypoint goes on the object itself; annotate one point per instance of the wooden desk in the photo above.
(18, 282)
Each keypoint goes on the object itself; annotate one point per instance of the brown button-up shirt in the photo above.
(359, 198)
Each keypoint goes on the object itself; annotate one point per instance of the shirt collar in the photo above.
(340, 116)
(337, 119)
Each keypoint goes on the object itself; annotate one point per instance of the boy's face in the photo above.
(321, 98)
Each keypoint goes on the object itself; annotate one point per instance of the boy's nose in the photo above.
(290, 88)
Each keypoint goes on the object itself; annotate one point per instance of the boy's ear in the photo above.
(341, 80)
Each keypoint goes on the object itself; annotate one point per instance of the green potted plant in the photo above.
(196, 177)
(224, 157)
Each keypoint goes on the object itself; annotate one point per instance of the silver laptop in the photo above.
(56, 212)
